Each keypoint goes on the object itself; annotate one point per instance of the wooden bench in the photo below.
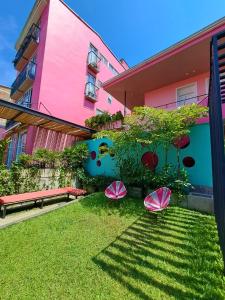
(38, 196)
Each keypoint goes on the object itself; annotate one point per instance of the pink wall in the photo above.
(167, 93)
(62, 68)
(32, 131)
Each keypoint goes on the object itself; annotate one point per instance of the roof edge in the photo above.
(167, 50)
(29, 21)
(34, 11)
(92, 29)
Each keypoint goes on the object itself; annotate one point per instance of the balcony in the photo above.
(23, 81)
(91, 92)
(200, 100)
(93, 61)
(27, 48)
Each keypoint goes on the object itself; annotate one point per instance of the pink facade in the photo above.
(62, 67)
(167, 95)
(63, 71)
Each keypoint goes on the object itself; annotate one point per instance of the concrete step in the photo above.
(199, 202)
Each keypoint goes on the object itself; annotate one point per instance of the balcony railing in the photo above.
(93, 61)
(91, 91)
(200, 100)
(23, 81)
(27, 48)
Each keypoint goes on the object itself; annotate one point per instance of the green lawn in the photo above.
(94, 249)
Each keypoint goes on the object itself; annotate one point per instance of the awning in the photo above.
(27, 116)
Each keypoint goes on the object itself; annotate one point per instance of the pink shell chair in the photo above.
(158, 200)
(116, 190)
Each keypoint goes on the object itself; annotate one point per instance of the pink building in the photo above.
(176, 76)
(61, 63)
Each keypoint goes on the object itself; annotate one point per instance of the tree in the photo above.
(153, 127)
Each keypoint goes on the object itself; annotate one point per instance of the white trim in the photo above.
(168, 50)
(187, 85)
(98, 110)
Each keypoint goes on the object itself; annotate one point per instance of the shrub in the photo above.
(74, 157)
(100, 120)
(46, 158)
(6, 186)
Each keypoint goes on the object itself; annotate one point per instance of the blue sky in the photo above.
(133, 29)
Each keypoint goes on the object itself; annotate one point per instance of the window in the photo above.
(26, 99)
(113, 70)
(34, 59)
(93, 49)
(10, 153)
(99, 112)
(91, 79)
(187, 94)
(93, 55)
(21, 144)
(109, 99)
(90, 89)
(103, 59)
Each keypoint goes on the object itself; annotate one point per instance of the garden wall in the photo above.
(198, 151)
(50, 179)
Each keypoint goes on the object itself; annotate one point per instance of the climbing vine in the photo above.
(29, 172)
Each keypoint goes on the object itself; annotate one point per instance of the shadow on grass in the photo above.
(177, 258)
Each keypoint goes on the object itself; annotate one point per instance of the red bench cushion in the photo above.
(41, 194)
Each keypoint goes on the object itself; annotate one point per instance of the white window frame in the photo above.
(99, 112)
(104, 60)
(20, 146)
(185, 86)
(93, 48)
(109, 98)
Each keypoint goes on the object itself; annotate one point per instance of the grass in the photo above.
(100, 250)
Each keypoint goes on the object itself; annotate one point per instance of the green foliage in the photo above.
(23, 179)
(179, 184)
(25, 173)
(154, 128)
(3, 146)
(100, 120)
(6, 186)
(101, 182)
(25, 160)
(47, 158)
(75, 156)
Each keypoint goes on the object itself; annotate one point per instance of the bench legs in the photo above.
(3, 209)
(42, 203)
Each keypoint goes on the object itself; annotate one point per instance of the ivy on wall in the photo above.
(25, 174)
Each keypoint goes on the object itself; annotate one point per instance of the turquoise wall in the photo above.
(108, 164)
(199, 149)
